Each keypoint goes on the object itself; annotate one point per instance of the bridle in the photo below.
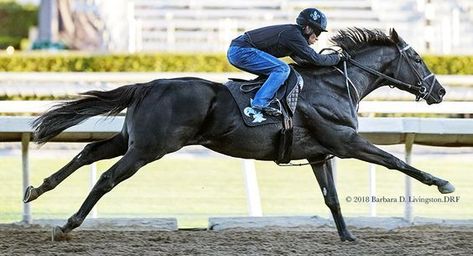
(419, 87)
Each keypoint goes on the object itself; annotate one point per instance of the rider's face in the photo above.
(312, 39)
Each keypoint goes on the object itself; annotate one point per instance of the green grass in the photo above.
(194, 189)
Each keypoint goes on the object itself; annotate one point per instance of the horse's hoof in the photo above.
(59, 235)
(30, 194)
(347, 237)
(446, 188)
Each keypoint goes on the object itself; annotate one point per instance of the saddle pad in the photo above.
(287, 95)
(250, 117)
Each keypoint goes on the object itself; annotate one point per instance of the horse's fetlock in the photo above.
(431, 180)
(74, 221)
(49, 183)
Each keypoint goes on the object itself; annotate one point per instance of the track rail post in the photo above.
(25, 142)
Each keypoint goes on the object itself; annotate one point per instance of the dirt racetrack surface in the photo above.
(419, 240)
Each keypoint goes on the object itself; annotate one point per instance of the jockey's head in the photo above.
(313, 23)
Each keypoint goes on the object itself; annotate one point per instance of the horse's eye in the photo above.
(418, 60)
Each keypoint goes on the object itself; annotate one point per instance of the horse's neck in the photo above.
(379, 59)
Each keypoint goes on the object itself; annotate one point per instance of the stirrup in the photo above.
(269, 111)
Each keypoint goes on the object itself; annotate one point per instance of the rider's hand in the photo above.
(342, 57)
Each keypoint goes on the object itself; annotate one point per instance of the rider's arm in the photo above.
(302, 50)
(300, 61)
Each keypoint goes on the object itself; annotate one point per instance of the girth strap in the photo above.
(285, 139)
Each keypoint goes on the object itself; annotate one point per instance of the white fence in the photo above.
(52, 83)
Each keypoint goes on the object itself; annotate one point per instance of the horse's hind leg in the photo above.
(323, 173)
(128, 165)
(109, 148)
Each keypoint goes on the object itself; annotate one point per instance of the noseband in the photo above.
(421, 89)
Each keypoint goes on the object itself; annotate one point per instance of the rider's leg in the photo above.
(267, 92)
(259, 62)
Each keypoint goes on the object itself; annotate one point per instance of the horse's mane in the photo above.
(355, 39)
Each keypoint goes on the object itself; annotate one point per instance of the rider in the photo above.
(257, 51)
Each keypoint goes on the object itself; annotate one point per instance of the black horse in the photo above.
(167, 114)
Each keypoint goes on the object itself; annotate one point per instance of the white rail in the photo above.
(123, 77)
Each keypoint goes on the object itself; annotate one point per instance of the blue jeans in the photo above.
(260, 63)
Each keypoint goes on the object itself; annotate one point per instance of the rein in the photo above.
(379, 74)
(419, 87)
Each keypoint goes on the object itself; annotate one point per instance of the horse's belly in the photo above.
(264, 146)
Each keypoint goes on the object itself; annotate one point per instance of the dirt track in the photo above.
(425, 240)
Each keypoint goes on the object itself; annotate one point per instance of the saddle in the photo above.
(243, 91)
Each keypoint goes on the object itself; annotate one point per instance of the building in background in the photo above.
(431, 26)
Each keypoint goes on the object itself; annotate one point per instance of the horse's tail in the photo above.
(92, 103)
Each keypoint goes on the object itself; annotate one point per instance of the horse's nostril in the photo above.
(442, 92)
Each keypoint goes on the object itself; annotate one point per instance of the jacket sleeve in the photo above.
(300, 61)
(302, 50)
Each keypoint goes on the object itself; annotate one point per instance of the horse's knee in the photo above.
(332, 203)
(104, 184)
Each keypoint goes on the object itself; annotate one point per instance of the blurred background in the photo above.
(431, 26)
(50, 50)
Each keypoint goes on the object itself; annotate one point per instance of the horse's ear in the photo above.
(394, 36)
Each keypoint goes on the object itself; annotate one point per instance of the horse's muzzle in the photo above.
(436, 98)
(441, 93)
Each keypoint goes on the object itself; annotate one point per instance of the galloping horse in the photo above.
(167, 114)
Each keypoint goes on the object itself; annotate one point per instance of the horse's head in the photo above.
(402, 67)
(412, 71)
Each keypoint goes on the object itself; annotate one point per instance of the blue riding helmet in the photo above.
(313, 18)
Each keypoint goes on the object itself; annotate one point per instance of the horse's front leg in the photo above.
(354, 146)
(323, 173)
